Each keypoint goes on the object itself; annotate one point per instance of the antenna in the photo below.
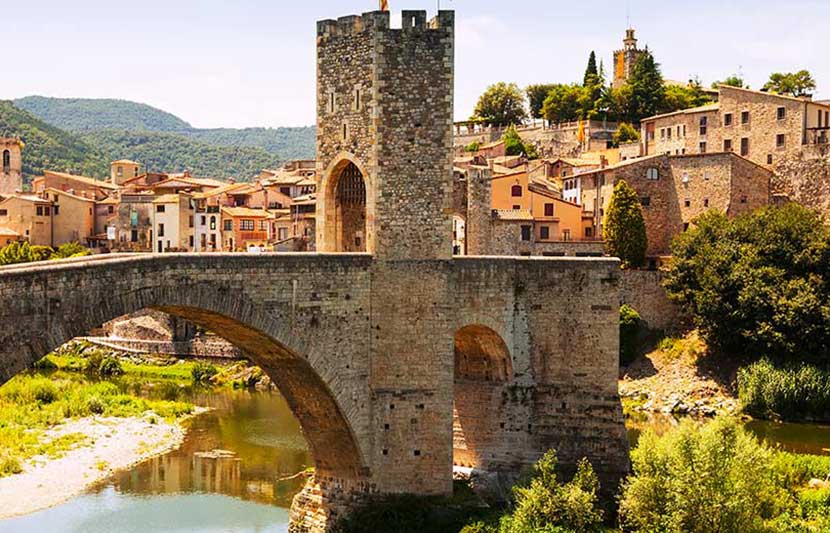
(628, 14)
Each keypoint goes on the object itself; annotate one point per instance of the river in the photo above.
(229, 474)
(226, 476)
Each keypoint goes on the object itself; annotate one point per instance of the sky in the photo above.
(243, 63)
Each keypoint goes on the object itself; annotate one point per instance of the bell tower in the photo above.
(11, 166)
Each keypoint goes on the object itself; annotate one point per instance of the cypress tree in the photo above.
(647, 89)
(591, 73)
(624, 228)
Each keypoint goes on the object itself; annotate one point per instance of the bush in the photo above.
(698, 479)
(757, 284)
(110, 366)
(93, 361)
(203, 372)
(626, 133)
(514, 145)
(546, 505)
(630, 327)
(44, 391)
(786, 392)
(71, 249)
(474, 146)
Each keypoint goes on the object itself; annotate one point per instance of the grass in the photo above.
(30, 405)
(77, 363)
(687, 349)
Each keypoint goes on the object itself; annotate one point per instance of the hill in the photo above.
(83, 115)
(168, 152)
(48, 147)
(97, 115)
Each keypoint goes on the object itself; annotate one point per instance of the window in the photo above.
(202, 220)
(526, 233)
(704, 122)
(769, 159)
(589, 232)
(47, 210)
(516, 207)
(544, 233)
(357, 102)
(345, 131)
(213, 223)
(190, 221)
(782, 113)
(110, 209)
(678, 132)
(285, 190)
(705, 202)
(652, 174)
(727, 145)
(263, 225)
(4, 212)
(161, 230)
(745, 146)
(39, 211)
(780, 140)
(191, 241)
(548, 210)
(331, 102)
(703, 147)
(727, 119)
(7, 161)
(227, 225)
(745, 117)
(566, 235)
(645, 201)
(134, 235)
(662, 133)
(743, 199)
(56, 210)
(516, 191)
(159, 209)
(668, 133)
(282, 234)
(246, 224)
(120, 171)
(687, 203)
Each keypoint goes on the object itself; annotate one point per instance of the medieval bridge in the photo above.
(398, 359)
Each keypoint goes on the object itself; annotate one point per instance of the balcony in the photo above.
(245, 236)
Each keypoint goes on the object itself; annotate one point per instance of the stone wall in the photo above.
(643, 290)
(805, 178)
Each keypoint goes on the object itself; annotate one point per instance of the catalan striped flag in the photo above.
(384, 5)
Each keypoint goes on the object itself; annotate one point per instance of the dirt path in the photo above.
(114, 444)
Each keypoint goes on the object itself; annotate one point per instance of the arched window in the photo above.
(7, 161)
(516, 191)
(652, 174)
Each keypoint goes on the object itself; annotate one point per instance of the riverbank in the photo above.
(678, 376)
(110, 444)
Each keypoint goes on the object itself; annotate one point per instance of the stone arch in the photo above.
(346, 206)
(271, 345)
(483, 370)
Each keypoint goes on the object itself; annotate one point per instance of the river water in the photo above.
(228, 476)
(230, 473)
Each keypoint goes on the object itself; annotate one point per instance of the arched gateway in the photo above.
(365, 346)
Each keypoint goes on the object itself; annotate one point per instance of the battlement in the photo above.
(411, 20)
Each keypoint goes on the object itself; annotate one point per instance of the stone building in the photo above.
(625, 59)
(11, 169)
(760, 126)
(173, 221)
(675, 189)
(123, 170)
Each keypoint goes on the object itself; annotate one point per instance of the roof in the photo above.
(69, 194)
(700, 109)
(621, 164)
(166, 199)
(775, 95)
(125, 162)
(226, 188)
(577, 162)
(245, 212)
(27, 198)
(306, 199)
(108, 201)
(82, 179)
(513, 214)
(6, 232)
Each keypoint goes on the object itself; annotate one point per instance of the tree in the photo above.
(591, 73)
(732, 81)
(626, 133)
(501, 105)
(758, 284)
(647, 90)
(515, 145)
(792, 83)
(536, 95)
(679, 97)
(624, 228)
(566, 103)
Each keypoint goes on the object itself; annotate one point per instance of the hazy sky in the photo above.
(240, 63)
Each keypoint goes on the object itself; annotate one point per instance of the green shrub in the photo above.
(93, 362)
(793, 470)
(699, 479)
(110, 366)
(625, 228)
(44, 391)
(203, 372)
(95, 405)
(787, 392)
(630, 329)
(474, 146)
(626, 133)
(71, 249)
(46, 364)
(546, 504)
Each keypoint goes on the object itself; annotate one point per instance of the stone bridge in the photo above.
(396, 370)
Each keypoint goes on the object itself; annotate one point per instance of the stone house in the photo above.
(29, 217)
(760, 126)
(243, 227)
(77, 185)
(123, 170)
(675, 189)
(73, 217)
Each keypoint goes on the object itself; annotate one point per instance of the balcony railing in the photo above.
(253, 236)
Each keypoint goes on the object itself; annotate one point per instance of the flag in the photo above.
(384, 5)
(580, 134)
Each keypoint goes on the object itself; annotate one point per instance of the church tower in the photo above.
(625, 59)
(11, 166)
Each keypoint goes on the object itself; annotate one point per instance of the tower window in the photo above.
(782, 113)
(331, 102)
(652, 174)
(7, 161)
(516, 191)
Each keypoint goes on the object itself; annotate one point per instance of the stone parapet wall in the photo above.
(198, 347)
